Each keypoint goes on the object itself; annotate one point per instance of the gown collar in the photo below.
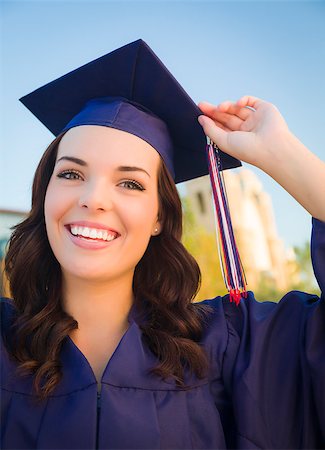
(128, 367)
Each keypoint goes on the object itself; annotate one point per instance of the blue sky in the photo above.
(217, 51)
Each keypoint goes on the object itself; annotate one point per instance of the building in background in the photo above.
(263, 253)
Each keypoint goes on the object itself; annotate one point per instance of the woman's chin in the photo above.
(89, 276)
(95, 275)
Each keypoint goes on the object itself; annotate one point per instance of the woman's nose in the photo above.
(96, 196)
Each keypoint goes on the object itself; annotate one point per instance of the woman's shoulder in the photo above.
(236, 336)
(7, 314)
(6, 301)
(7, 310)
(225, 317)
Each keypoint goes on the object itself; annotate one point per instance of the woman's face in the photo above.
(101, 204)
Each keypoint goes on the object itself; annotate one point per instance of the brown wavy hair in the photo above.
(165, 282)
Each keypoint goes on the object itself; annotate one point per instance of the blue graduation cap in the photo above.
(112, 89)
(130, 89)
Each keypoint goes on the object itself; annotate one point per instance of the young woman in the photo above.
(102, 345)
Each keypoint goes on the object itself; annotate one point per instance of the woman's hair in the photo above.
(166, 280)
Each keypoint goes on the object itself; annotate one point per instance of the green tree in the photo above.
(266, 290)
(203, 246)
(302, 276)
(304, 269)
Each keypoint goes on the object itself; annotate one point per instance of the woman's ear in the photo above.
(157, 229)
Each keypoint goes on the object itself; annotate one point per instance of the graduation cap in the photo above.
(131, 89)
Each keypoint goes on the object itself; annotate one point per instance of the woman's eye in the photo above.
(132, 184)
(70, 175)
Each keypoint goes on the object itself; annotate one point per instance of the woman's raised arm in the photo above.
(255, 132)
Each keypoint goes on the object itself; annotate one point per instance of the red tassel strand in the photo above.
(232, 269)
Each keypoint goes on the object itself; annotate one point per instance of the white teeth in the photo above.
(74, 230)
(92, 233)
(85, 232)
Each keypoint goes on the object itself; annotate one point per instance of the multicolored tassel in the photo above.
(232, 269)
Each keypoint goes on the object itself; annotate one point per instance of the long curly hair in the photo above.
(165, 282)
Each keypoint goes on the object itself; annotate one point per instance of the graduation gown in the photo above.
(265, 388)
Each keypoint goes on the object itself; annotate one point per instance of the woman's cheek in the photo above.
(142, 218)
(52, 199)
(54, 208)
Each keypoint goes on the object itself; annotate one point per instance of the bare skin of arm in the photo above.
(255, 132)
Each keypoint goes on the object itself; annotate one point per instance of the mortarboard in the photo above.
(131, 89)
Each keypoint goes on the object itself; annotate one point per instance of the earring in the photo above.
(156, 230)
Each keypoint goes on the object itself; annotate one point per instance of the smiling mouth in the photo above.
(92, 234)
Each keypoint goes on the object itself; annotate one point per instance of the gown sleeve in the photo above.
(274, 366)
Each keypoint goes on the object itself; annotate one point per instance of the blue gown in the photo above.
(265, 389)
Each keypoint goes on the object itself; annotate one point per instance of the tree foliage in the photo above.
(203, 246)
(304, 268)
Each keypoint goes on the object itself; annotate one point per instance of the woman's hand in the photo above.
(255, 132)
(251, 129)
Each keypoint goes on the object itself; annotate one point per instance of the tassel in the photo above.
(232, 269)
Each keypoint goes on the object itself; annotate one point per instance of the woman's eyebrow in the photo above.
(81, 162)
(131, 169)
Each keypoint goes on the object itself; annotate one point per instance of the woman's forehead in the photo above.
(107, 144)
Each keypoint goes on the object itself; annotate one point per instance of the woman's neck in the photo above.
(98, 307)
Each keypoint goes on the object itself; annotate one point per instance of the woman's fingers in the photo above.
(224, 108)
(250, 129)
(234, 109)
(222, 126)
(229, 121)
(217, 132)
(249, 100)
(232, 122)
